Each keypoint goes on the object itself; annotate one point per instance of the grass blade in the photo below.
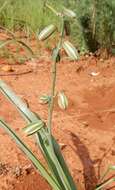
(14, 40)
(3, 6)
(25, 46)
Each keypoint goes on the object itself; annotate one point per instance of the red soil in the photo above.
(86, 128)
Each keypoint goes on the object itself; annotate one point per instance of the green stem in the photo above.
(52, 9)
(50, 110)
(63, 177)
(54, 72)
(51, 106)
(104, 184)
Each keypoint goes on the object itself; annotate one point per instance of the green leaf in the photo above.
(53, 162)
(20, 105)
(42, 137)
(63, 164)
(47, 153)
(30, 155)
(99, 187)
(14, 40)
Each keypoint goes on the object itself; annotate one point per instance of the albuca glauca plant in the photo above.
(56, 172)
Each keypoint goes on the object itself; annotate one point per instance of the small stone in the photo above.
(85, 124)
(28, 169)
(17, 171)
(7, 68)
(101, 60)
(62, 145)
(86, 55)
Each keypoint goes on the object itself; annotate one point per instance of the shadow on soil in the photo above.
(81, 150)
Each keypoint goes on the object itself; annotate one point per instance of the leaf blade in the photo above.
(30, 155)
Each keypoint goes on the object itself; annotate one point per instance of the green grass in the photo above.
(25, 15)
(87, 32)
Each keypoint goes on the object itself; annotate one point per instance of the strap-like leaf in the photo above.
(30, 155)
(14, 40)
(63, 164)
(55, 156)
(20, 105)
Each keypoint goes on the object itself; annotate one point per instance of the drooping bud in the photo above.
(69, 13)
(45, 99)
(33, 127)
(62, 100)
(46, 32)
(70, 50)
